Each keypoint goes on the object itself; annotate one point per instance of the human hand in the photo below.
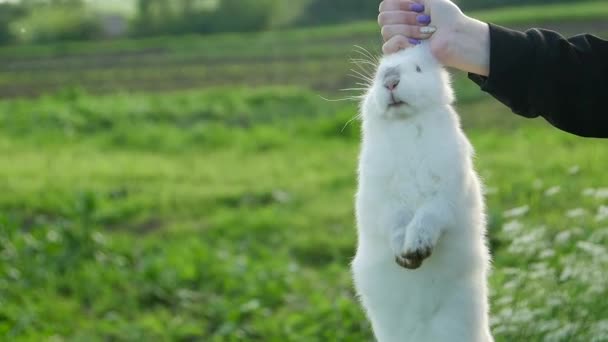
(456, 40)
(403, 24)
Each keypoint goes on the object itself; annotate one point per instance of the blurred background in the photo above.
(170, 170)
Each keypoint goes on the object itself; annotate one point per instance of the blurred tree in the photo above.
(160, 16)
(54, 20)
(288, 12)
(9, 13)
(32, 4)
(202, 16)
(245, 15)
(324, 11)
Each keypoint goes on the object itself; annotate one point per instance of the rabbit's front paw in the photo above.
(417, 247)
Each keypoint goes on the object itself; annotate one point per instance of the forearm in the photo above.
(540, 73)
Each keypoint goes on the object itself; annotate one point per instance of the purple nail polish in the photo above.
(417, 8)
(423, 19)
(413, 41)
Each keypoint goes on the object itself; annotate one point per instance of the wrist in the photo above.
(470, 49)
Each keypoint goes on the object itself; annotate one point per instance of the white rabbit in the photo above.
(422, 261)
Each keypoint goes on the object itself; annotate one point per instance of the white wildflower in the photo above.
(601, 193)
(554, 190)
(576, 212)
(547, 253)
(512, 226)
(52, 236)
(602, 213)
(589, 192)
(591, 248)
(574, 170)
(516, 212)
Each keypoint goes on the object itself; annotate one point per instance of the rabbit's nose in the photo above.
(391, 82)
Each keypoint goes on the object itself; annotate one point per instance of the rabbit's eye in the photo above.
(418, 68)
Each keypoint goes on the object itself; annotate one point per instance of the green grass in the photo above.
(207, 215)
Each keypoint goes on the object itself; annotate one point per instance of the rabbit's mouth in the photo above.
(397, 104)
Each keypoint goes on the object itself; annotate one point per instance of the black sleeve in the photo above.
(540, 73)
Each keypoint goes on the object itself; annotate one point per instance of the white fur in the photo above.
(418, 192)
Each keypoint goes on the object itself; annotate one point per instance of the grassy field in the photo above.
(226, 213)
(215, 216)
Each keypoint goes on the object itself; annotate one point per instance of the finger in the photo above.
(410, 31)
(395, 44)
(401, 5)
(403, 17)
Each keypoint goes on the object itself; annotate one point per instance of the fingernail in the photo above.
(428, 29)
(417, 8)
(423, 19)
(413, 41)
